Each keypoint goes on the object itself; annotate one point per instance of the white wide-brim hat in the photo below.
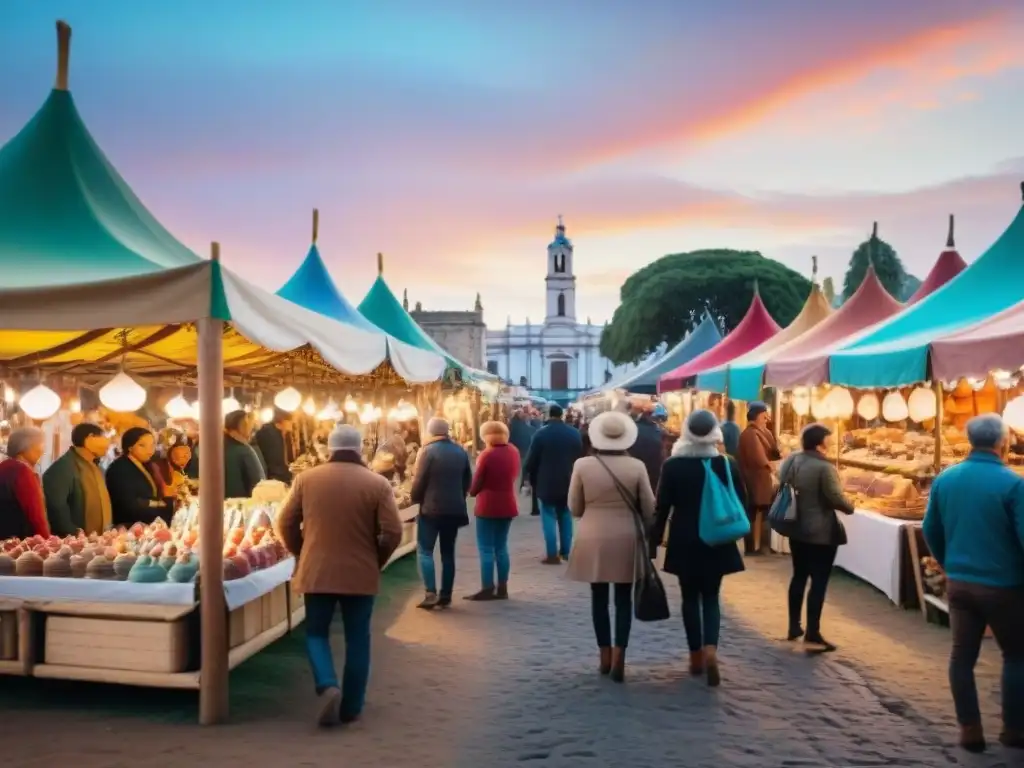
(612, 431)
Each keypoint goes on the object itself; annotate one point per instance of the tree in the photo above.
(887, 264)
(667, 298)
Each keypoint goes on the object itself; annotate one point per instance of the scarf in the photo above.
(96, 511)
(149, 477)
(695, 450)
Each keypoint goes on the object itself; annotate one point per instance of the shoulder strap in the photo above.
(630, 501)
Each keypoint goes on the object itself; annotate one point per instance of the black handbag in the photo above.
(650, 603)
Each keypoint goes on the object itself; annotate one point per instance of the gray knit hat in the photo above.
(345, 438)
(437, 427)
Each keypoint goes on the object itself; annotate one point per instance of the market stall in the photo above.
(96, 287)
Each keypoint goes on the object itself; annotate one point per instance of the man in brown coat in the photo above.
(758, 449)
(341, 523)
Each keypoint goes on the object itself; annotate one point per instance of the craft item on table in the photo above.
(269, 492)
(147, 571)
(7, 565)
(168, 556)
(123, 565)
(101, 569)
(29, 564)
(184, 570)
(58, 567)
(236, 567)
(79, 563)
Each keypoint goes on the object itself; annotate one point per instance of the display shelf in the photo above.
(183, 680)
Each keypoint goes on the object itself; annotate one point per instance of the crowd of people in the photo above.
(610, 492)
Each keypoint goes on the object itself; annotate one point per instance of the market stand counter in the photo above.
(136, 634)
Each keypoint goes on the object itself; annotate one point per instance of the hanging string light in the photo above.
(122, 394)
(288, 399)
(40, 402)
(230, 403)
(309, 407)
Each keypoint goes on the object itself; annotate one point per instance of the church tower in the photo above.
(560, 280)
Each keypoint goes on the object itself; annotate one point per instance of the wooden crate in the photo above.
(8, 635)
(275, 607)
(136, 645)
(245, 623)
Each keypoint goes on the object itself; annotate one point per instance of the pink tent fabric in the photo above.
(804, 362)
(756, 327)
(949, 265)
(996, 343)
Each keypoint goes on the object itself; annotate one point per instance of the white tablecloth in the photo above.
(873, 553)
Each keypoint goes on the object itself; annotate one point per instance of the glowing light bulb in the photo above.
(309, 407)
(178, 408)
(40, 402)
(122, 394)
(288, 399)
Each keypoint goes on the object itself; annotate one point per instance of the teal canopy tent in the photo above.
(897, 353)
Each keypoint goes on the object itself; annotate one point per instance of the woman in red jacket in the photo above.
(22, 507)
(494, 488)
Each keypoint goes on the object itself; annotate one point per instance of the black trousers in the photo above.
(602, 620)
(810, 562)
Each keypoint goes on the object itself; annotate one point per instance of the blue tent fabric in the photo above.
(896, 353)
(645, 381)
(742, 381)
(312, 287)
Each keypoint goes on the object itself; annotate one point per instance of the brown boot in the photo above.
(554, 560)
(606, 660)
(618, 670)
(1012, 739)
(972, 738)
(711, 665)
(697, 663)
(502, 593)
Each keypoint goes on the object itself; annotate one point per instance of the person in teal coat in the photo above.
(243, 467)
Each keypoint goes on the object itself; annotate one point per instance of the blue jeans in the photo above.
(429, 533)
(356, 612)
(492, 543)
(556, 522)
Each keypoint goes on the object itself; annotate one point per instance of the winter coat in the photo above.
(678, 511)
(275, 450)
(443, 478)
(549, 464)
(341, 523)
(22, 507)
(649, 448)
(67, 497)
(132, 498)
(519, 434)
(758, 448)
(606, 544)
(494, 482)
(819, 496)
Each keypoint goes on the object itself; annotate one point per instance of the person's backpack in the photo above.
(723, 520)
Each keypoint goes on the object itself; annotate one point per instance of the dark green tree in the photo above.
(887, 263)
(667, 298)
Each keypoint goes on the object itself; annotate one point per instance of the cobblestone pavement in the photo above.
(515, 684)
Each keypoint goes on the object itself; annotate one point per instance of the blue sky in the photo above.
(449, 135)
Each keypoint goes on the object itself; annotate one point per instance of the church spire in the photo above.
(405, 299)
(478, 305)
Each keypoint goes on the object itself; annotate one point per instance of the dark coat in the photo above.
(687, 556)
(271, 444)
(649, 448)
(519, 434)
(243, 469)
(443, 478)
(65, 498)
(132, 499)
(820, 495)
(553, 451)
(494, 482)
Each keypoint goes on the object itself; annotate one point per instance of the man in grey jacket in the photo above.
(443, 477)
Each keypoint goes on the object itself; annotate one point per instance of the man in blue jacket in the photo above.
(553, 451)
(974, 527)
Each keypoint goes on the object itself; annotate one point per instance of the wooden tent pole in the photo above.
(939, 407)
(213, 675)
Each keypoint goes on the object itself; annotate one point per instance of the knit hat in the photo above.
(755, 409)
(702, 428)
(345, 438)
(437, 427)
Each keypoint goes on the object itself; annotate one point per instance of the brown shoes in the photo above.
(502, 593)
(606, 660)
(711, 666)
(697, 663)
(972, 738)
(618, 659)
(556, 560)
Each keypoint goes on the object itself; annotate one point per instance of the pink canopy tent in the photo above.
(804, 362)
(756, 327)
(993, 344)
(949, 265)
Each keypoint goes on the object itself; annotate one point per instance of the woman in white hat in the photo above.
(607, 492)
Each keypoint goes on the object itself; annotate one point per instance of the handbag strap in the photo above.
(634, 505)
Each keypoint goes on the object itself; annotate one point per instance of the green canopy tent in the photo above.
(93, 282)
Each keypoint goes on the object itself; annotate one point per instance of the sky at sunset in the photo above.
(450, 134)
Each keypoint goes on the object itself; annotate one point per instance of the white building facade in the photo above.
(561, 357)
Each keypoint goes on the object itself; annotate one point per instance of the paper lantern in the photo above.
(369, 414)
(868, 406)
(329, 412)
(40, 402)
(921, 405)
(267, 415)
(820, 405)
(1013, 414)
(1004, 379)
(894, 407)
(839, 403)
(309, 407)
(178, 408)
(351, 406)
(10, 396)
(801, 401)
(194, 410)
(288, 399)
(122, 394)
(230, 404)
(75, 406)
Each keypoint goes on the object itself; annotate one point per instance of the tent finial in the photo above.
(63, 55)
(380, 264)
(215, 252)
(950, 243)
(316, 224)
(874, 230)
(814, 270)
(1022, 190)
